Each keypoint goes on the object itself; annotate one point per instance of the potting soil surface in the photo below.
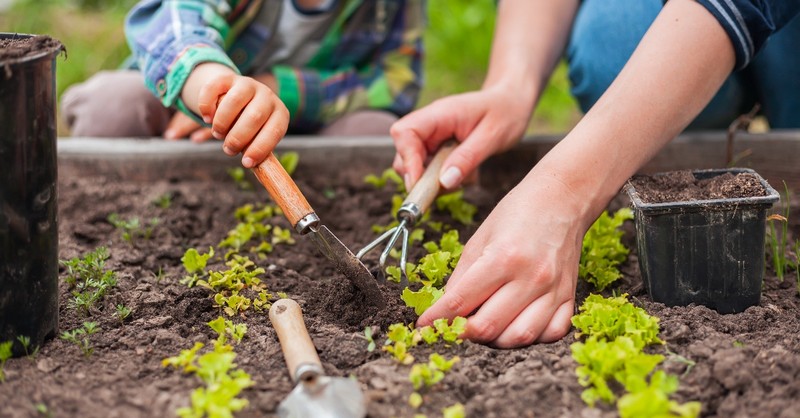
(739, 365)
(13, 48)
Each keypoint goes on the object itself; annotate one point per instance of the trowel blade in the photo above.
(348, 264)
(328, 397)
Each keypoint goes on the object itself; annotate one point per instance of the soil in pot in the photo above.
(741, 365)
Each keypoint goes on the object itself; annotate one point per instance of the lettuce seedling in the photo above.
(368, 337)
(614, 317)
(5, 354)
(226, 328)
(422, 299)
(652, 400)
(459, 209)
(388, 175)
(449, 243)
(195, 262)
(186, 360)
(450, 332)
(602, 249)
(289, 161)
(164, 201)
(454, 411)
(249, 214)
(239, 176)
(431, 373)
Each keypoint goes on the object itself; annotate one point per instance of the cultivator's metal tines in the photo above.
(392, 235)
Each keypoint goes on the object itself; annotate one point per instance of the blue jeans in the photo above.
(606, 32)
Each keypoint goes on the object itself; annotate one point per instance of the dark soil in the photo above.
(681, 186)
(14, 48)
(745, 365)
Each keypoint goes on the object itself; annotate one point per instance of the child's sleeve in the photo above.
(390, 80)
(170, 38)
(750, 22)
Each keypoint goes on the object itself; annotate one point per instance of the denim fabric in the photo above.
(606, 32)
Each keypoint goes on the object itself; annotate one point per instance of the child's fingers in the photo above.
(228, 110)
(250, 121)
(267, 138)
(209, 95)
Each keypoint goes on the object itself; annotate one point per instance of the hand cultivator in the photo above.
(418, 201)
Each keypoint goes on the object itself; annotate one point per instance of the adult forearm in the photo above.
(679, 65)
(529, 39)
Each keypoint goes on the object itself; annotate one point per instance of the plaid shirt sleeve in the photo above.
(389, 79)
(750, 22)
(169, 38)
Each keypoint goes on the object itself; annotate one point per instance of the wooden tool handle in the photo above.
(283, 189)
(298, 349)
(427, 188)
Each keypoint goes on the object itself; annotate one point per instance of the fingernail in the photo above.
(207, 119)
(450, 178)
(169, 134)
(248, 162)
(217, 135)
(228, 150)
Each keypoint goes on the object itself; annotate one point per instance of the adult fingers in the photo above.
(411, 155)
(267, 138)
(560, 323)
(464, 160)
(495, 315)
(474, 287)
(528, 325)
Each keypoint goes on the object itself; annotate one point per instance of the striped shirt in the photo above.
(369, 56)
(750, 22)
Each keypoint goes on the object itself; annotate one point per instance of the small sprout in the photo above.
(459, 209)
(226, 328)
(602, 249)
(88, 279)
(159, 275)
(132, 229)
(282, 295)
(454, 411)
(239, 176)
(289, 161)
(5, 354)
(122, 312)
(26, 346)
(164, 201)
(738, 344)
(43, 410)
(80, 337)
(415, 400)
(368, 337)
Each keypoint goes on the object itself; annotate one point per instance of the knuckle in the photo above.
(256, 116)
(482, 329)
(456, 305)
(519, 338)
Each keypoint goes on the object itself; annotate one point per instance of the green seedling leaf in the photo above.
(451, 332)
(603, 250)
(164, 201)
(122, 312)
(422, 299)
(194, 262)
(5, 354)
(415, 400)
(186, 360)
(454, 411)
(239, 176)
(388, 175)
(436, 266)
(459, 209)
(614, 317)
(368, 337)
(289, 161)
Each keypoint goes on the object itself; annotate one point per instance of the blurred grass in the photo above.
(457, 42)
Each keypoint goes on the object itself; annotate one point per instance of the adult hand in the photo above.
(181, 126)
(485, 122)
(519, 270)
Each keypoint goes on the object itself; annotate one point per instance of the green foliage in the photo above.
(388, 175)
(401, 338)
(30, 352)
(132, 229)
(222, 380)
(614, 317)
(454, 411)
(250, 214)
(603, 250)
(195, 264)
(778, 239)
(226, 328)
(289, 161)
(164, 201)
(239, 176)
(451, 331)
(458, 208)
(432, 372)
(228, 284)
(88, 280)
(5, 354)
(422, 299)
(123, 312)
(616, 334)
(450, 243)
(369, 339)
(80, 337)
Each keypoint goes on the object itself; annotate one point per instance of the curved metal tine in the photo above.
(392, 241)
(403, 258)
(375, 243)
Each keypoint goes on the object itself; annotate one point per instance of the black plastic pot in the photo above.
(707, 252)
(28, 223)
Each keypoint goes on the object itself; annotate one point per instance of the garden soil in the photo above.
(738, 365)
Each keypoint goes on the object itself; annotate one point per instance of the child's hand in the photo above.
(243, 112)
(182, 126)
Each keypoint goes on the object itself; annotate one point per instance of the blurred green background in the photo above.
(457, 42)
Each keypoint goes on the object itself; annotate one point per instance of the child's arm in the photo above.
(242, 111)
